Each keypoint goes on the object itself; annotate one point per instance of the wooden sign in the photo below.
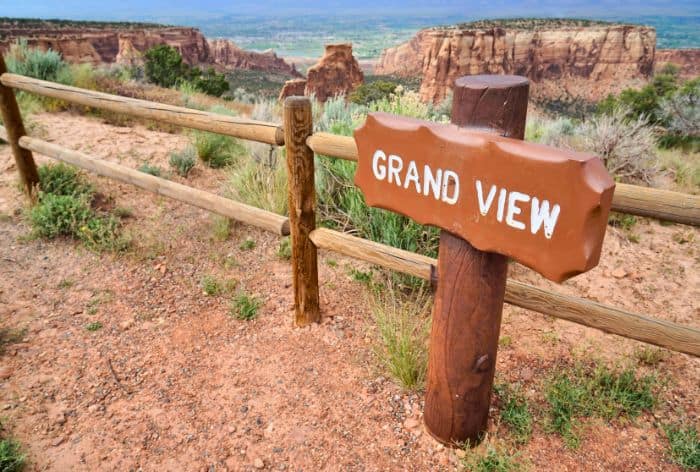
(546, 208)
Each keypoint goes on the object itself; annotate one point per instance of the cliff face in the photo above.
(562, 62)
(126, 45)
(336, 73)
(687, 61)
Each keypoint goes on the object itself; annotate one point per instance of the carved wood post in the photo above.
(471, 285)
(302, 201)
(15, 129)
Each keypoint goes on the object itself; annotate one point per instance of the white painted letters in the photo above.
(412, 176)
(541, 214)
(484, 206)
(432, 182)
(447, 176)
(378, 169)
(395, 166)
(513, 209)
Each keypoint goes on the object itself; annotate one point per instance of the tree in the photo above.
(211, 82)
(164, 65)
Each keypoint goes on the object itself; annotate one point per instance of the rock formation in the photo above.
(126, 43)
(336, 73)
(563, 59)
(292, 87)
(687, 61)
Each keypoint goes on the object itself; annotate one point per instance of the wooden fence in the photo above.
(302, 143)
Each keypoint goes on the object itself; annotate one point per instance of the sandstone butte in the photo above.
(126, 43)
(336, 73)
(564, 59)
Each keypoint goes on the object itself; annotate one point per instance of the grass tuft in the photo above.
(94, 326)
(600, 391)
(247, 245)
(684, 445)
(183, 161)
(151, 170)
(245, 307)
(489, 458)
(12, 459)
(216, 150)
(403, 325)
(284, 250)
(515, 412)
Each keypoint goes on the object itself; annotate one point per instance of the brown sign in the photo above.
(544, 207)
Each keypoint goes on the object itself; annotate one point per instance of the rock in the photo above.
(563, 59)
(226, 53)
(5, 372)
(619, 273)
(294, 87)
(126, 324)
(411, 423)
(336, 73)
(58, 441)
(687, 61)
(259, 463)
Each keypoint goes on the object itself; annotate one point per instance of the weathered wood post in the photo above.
(298, 126)
(15, 129)
(471, 284)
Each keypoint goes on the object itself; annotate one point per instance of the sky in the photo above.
(178, 10)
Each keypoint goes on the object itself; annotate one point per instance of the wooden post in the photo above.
(298, 126)
(15, 130)
(471, 285)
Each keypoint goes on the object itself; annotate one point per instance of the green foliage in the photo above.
(183, 161)
(370, 92)
(284, 251)
(684, 445)
(62, 179)
(211, 285)
(164, 66)
(210, 82)
(94, 326)
(64, 209)
(582, 392)
(623, 221)
(44, 65)
(221, 229)
(515, 412)
(491, 459)
(216, 150)
(247, 245)
(150, 169)
(12, 459)
(259, 184)
(403, 325)
(245, 307)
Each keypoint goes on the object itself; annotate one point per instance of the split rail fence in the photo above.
(301, 143)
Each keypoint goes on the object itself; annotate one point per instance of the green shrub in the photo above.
(94, 326)
(216, 150)
(684, 445)
(59, 215)
(183, 161)
(63, 179)
(33, 62)
(164, 66)
(373, 91)
(11, 457)
(210, 82)
(211, 285)
(284, 250)
(492, 459)
(515, 411)
(245, 307)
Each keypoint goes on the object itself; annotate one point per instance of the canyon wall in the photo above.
(126, 45)
(687, 61)
(565, 61)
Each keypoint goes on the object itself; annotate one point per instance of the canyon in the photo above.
(125, 43)
(564, 59)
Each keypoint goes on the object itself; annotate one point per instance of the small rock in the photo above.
(94, 408)
(259, 463)
(58, 441)
(411, 423)
(5, 372)
(126, 324)
(232, 429)
(619, 273)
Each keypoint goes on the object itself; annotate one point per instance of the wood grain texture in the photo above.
(471, 285)
(642, 201)
(14, 127)
(662, 333)
(298, 126)
(263, 132)
(223, 206)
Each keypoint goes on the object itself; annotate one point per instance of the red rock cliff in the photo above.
(126, 45)
(687, 61)
(563, 60)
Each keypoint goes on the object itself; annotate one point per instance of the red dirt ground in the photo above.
(172, 382)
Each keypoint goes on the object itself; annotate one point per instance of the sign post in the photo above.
(494, 197)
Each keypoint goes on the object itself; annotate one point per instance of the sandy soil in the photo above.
(172, 382)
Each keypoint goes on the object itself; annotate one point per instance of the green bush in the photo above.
(183, 161)
(210, 82)
(59, 215)
(245, 307)
(216, 150)
(373, 91)
(11, 457)
(62, 179)
(164, 66)
(150, 170)
(33, 62)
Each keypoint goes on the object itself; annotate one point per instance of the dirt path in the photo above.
(172, 382)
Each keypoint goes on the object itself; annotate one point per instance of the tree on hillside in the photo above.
(210, 82)
(164, 65)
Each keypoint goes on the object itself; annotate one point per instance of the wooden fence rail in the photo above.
(208, 201)
(665, 205)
